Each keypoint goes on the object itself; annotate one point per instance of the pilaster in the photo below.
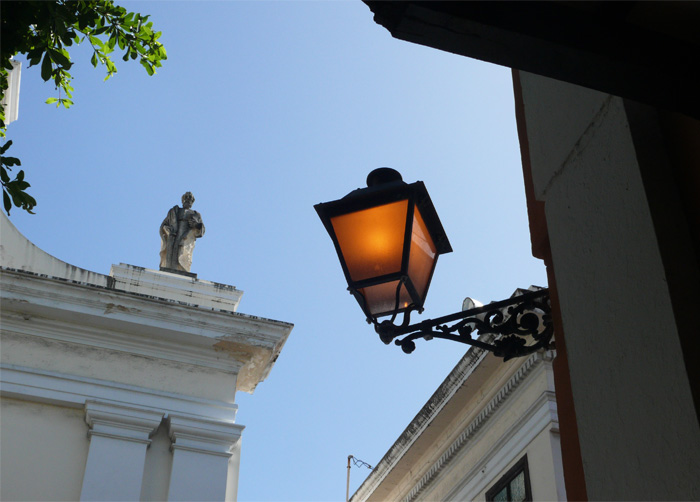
(119, 436)
(202, 450)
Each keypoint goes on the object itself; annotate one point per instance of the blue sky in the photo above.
(262, 110)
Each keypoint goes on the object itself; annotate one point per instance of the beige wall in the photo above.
(637, 426)
(542, 456)
(516, 429)
(43, 450)
(502, 412)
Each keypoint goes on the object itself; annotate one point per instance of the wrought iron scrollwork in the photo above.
(521, 325)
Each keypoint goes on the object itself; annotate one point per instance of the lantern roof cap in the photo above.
(386, 185)
(383, 175)
(379, 180)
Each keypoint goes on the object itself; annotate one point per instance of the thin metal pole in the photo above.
(347, 486)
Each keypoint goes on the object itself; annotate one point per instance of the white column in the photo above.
(119, 436)
(202, 449)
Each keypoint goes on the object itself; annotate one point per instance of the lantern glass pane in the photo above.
(423, 255)
(381, 298)
(371, 240)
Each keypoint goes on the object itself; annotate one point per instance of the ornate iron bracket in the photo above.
(522, 325)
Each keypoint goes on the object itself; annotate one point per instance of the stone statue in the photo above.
(178, 232)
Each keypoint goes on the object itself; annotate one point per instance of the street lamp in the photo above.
(388, 237)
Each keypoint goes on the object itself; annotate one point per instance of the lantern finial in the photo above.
(382, 176)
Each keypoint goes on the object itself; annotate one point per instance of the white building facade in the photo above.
(489, 432)
(121, 387)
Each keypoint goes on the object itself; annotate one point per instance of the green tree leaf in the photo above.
(59, 58)
(14, 191)
(96, 41)
(6, 201)
(42, 30)
(46, 67)
(11, 161)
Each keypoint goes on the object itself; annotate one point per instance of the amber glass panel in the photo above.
(382, 297)
(371, 240)
(422, 257)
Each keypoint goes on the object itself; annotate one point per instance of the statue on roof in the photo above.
(178, 232)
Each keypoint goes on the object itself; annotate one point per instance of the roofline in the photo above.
(447, 389)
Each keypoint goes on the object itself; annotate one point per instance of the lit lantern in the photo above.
(388, 237)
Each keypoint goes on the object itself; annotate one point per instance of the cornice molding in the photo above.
(203, 436)
(478, 423)
(51, 292)
(193, 351)
(464, 368)
(121, 422)
(540, 415)
(31, 384)
(454, 381)
(164, 329)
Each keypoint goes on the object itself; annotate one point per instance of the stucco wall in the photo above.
(521, 426)
(504, 412)
(43, 450)
(541, 466)
(113, 365)
(637, 426)
(109, 394)
(18, 253)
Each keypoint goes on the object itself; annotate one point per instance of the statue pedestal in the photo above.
(179, 272)
(175, 286)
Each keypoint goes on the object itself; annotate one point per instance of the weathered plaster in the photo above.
(119, 359)
(622, 342)
(484, 417)
(43, 451)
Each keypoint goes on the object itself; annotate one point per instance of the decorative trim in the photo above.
(121, 422)
(541, 414)
(464, 368)
(82, 313)
(432, 408)
(197, 352)
(49, 291)
(473, 428)
(203, 436)
(33, 384)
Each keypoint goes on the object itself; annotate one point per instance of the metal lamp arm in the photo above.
(523, 323)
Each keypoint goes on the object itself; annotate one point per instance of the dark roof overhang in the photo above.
(645, 51)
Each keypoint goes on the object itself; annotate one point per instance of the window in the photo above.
(513, 486)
